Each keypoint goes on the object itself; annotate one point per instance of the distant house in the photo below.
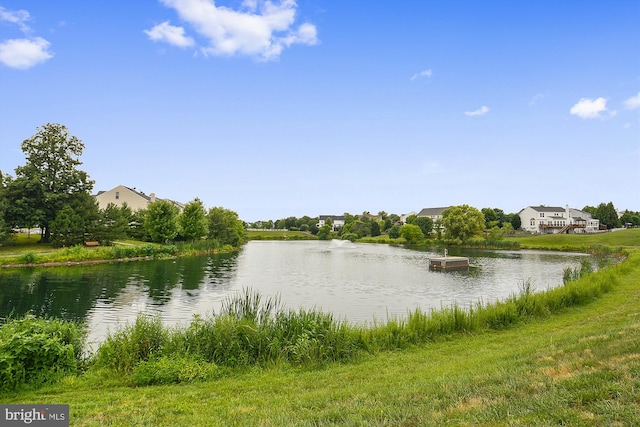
(433, 213)
(556, 220)
(135, 199)
(403, 217)
(337, 220)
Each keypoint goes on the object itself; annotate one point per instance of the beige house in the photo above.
(135, 199)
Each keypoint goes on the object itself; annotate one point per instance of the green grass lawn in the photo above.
(623, 238)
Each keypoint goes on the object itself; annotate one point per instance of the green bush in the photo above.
(35, 350)
(28, 258)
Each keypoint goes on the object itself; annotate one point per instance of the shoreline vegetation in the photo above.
(568, 355)
(28, 253)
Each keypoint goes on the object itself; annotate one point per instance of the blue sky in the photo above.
(308, 107)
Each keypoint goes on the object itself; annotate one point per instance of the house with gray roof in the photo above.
(556, 220)
(135, 199)
(433, 213)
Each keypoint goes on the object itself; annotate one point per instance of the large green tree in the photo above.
(411, 233)
(225, 227)
(5, 228)
(608, 215)
(161, 221)
(67, 229)
(462, 223)
(53, 158)
(114, 223)
(193, 221)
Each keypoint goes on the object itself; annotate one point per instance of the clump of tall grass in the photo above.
(570, 274)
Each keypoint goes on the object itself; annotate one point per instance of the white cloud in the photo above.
(589, 108)
(18, 17)
(479, 112)
(261, 28)
(24, 53)
(170, 34)
(633, 102)
(425, 73)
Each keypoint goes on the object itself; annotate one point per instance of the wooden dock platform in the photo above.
(448, 263)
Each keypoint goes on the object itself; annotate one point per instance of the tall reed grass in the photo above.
(253, 330)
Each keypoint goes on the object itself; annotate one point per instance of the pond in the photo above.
(356, 282)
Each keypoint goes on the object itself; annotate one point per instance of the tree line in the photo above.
(52, 193)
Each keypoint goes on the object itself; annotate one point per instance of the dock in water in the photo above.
(447, 263)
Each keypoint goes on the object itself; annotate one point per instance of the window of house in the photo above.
(541, 214)
(117, 195)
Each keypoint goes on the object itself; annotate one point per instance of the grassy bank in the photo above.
(28, 252)
(624, 239)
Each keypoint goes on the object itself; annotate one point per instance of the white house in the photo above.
(556, 220)
(135, 199)
(337, 220)
(433, 213)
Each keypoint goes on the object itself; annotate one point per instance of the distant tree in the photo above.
(328, 222)
(324, 233)
(629, 217)
(137, 229)
(193, 221)
(410, 219)
(53, 157)
(360, 228)
(375, 228)
(514, 220)
(591, 210)
(608, 215)
(490, 218)
(394, 231)
(225, 227)
(23, 203)
(114, 223)
(67, 229)
(161, 221)
(425, 223)
(462, 222)
(5, 228)
(411, 233)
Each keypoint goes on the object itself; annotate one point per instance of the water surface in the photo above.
(356, 282)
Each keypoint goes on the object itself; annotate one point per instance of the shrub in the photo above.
(28, 258)
(35, 350)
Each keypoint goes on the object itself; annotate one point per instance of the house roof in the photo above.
(139, 193)
(542, 208)
(432, 211)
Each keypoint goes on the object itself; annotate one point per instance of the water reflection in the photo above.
(357, 282)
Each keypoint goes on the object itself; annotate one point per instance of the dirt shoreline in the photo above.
(75, 263)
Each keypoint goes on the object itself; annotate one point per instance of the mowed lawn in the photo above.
(580, 367)
(620, 238)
